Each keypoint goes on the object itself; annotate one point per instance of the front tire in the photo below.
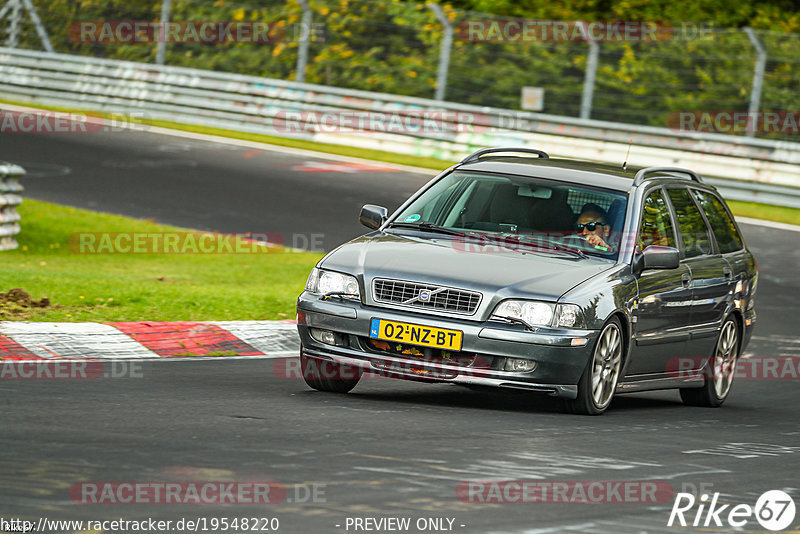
(599, 380)
(720, 371)
(325, 375)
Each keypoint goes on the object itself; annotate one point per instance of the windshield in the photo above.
(522, 211)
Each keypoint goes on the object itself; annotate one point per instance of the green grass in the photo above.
(135, 287)
(764, 211)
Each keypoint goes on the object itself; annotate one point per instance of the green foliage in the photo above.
(705, 63)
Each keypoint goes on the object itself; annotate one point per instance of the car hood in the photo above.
(442, 260)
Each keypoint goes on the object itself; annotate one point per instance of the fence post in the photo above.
(302, 47)
(591, 72)
(444, 50)
(37, 23)
(161, 50)
(13, 31)
(758, 79)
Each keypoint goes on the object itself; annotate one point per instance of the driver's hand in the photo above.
(596, 241)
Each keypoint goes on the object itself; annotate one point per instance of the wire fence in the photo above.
(683, 71)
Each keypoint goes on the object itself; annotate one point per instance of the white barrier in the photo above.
(10, 198)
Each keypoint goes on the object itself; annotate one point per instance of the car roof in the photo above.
(566, 170)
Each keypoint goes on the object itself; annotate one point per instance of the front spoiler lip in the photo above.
(464, 375)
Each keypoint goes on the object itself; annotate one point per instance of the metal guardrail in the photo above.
(756, 192)
(10, 198)
(289, 109)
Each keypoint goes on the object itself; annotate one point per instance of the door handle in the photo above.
(727, 272)
(686, 279)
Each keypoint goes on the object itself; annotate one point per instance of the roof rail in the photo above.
(641, 176)
(475, 156)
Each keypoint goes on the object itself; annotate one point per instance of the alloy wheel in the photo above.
(606, 365)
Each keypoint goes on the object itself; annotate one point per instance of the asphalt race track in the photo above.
(204, 185)
(389, 448)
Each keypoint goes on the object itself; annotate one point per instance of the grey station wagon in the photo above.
(515, 270)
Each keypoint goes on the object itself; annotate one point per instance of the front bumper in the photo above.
(485, 348)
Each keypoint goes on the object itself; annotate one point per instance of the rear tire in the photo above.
(720, 370)
(599, 380)
(325, 375)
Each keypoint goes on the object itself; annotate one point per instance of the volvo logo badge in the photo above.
(424, 295)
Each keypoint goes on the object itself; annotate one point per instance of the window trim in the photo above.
(712, 239)
(645, 195)
(727, 211)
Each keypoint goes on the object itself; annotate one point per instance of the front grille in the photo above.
(413, 294)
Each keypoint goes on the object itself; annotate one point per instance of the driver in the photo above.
(593, 226)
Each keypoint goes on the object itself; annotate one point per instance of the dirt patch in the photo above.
(18, 304)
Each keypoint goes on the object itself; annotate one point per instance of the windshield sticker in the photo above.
(412, 218)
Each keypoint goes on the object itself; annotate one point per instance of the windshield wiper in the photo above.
(573, 250)
(427, 227)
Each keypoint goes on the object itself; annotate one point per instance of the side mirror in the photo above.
(657, 257)
(373, 216)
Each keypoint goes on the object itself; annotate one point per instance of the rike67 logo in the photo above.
(774, 510)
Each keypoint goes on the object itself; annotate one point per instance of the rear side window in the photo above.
(694, 232)
(656, 226)
(728, 238)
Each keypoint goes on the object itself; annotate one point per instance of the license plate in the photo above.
(413, 334)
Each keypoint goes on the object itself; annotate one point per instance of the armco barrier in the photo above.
(10, 198)
(260, 105)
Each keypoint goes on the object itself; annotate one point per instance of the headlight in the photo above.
(533, 313)
(332, 283)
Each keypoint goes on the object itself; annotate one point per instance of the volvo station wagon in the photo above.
(512, 269)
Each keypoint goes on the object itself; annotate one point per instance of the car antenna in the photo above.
(625, 163)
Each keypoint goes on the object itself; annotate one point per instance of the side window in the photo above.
(721, 223)
(696, 239)
(656, 226)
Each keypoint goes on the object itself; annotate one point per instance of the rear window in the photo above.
(724, 228)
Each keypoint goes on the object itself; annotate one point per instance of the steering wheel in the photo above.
(577, 239)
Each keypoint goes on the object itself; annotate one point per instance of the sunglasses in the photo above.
(592, 226)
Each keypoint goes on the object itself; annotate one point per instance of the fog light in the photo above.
(323, 336)
(518, 365)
